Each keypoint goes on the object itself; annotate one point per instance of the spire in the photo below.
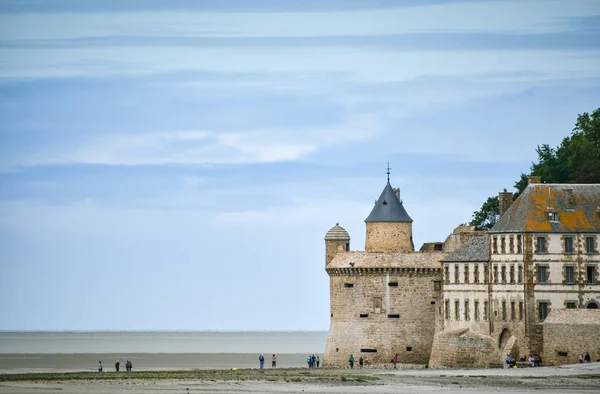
(388, 171)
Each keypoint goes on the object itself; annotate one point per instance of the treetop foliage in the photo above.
(575, 160)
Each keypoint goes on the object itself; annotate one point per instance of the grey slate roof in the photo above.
(477, 249)
(388, 208)
(529, 212)
(337, 233)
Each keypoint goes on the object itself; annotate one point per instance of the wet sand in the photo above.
(22, 363)
(580, 378)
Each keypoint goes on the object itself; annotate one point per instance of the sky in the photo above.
(176, 164)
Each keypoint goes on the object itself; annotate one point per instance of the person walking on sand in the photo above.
(395, 360)
(351, 361)
(580, 357)
(318, 361)
(117, 364)
(261, 359)
(99, 366)
(273, 361)
(361, 362)
(587, 357)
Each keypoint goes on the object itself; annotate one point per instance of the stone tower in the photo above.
(389, 228)
(336, 240)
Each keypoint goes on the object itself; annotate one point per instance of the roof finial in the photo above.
(388, 171)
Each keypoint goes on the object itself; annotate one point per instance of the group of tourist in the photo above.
(585, 358)
(534, 362)
(128, 366)
(361, 361)
(313, 362)
(261, 360)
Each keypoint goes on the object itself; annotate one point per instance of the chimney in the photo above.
(532, 180)
(505, 200)
(397, 191)
(568, 197)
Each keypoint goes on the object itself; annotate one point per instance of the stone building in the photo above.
(541, 255)
(383, 300)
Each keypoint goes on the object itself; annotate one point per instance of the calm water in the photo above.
(154, 350)
(70, 342)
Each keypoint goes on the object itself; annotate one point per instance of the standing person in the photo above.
(261, 359)
(117, 364)
(313, 360)
(580, 357)
(130, 366)
(319, 361)
(273, 361)
(351, 361)
(99, 366)
(587, 357)
(395, 360)
(361, 362)
(308, 361)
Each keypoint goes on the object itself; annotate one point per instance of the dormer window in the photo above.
(553, 216)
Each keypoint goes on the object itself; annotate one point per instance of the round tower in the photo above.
(389, 228)
(336, 240)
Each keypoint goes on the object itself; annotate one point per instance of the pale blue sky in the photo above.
(176, 164)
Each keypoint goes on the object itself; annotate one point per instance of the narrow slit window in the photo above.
(393, 284)
(368, 350)
(348, 285)
(394, 316)
(363, 315)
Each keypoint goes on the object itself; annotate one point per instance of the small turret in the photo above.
(336, 240)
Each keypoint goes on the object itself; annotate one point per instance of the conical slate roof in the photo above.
(337, 232)
(388, 208)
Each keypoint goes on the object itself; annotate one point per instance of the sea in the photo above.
(71, 351)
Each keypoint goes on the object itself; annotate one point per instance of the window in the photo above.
(495, 274)
(591, 274)
(456, 274)
(447, 309)
(476, 273)
(568, 245)
(503, 245)
(409, 348)
(512, 273)
(476, 309)
(541, 245)
(511, 244)
(466, 273)
(447, 274)
(363, 315)
(570, 274)
(553, 216)
(467, 311)
(542, 273)
(368, 350)
(519, 245)
(348, 285)
(513, 311)
(520, 274)
(542, 310)
(571, 305)
(504, 310)
(393, 284)
(486, 310)
(486, 273)
(495, 245)
(503, 272)
(394, 316)
(589, 244)
(456, 310)
(520, 310)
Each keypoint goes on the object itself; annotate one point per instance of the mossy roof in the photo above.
(530, 211)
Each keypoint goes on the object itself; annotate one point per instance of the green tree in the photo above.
(575, 160)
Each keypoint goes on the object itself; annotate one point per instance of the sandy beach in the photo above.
(580, 378)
